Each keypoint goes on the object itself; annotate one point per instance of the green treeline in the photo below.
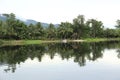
(13, 28)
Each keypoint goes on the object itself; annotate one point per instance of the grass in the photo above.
(20, 42)
(27, 42)
(101, 39)
(39, 41)
(31, 41)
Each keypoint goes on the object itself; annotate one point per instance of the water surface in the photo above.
(61, 61)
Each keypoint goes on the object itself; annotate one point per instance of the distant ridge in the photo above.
(28, 21)
(3, 18)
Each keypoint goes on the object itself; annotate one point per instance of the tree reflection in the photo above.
(80, 52)
(118, 51)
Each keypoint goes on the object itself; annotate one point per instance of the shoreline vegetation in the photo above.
(30, 42)
(16, 32)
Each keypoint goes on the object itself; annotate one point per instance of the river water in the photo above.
(61, 61)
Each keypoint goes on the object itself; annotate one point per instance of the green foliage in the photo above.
(118, 24)
(15, 29)
(79, 26)
(96, 28)
(51, 32)
(112, 33)
(65, 30)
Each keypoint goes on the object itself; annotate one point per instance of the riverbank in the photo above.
(100, 39)
(27, 42)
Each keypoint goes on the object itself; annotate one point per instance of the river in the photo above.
(61, 61)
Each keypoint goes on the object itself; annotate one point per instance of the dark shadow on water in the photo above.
(80, 52)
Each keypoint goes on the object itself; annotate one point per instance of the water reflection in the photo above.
(80, 52)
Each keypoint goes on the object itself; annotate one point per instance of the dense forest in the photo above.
(80, 28)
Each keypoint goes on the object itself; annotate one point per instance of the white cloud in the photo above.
(56, 11)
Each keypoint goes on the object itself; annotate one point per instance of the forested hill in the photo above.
(27, 21)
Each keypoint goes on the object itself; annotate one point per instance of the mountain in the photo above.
(3, 18)
(28, 21)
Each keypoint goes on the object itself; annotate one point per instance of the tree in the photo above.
(118, 24)
(96, 28)
(13, 28)
(10, 25)
(35, 31)
(20, 29)
(65, 30)
(39, 31)
(51, 31)
(1, 26)
(112, 33)
(80, 28)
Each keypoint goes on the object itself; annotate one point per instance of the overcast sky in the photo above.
(56, 11)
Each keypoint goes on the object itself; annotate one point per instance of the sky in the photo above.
(57, 11)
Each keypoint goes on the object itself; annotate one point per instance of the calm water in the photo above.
(61, 61)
